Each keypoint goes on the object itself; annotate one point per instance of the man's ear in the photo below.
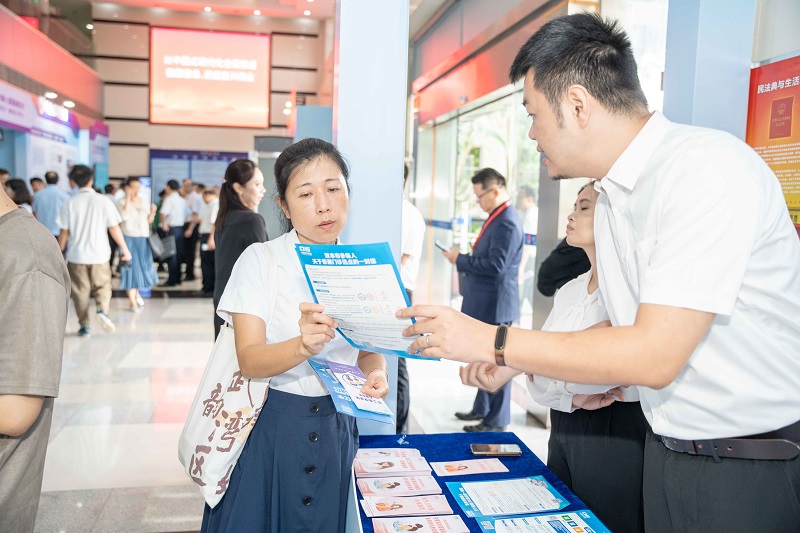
(579, 104)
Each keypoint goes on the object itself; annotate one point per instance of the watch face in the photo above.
(500, 338)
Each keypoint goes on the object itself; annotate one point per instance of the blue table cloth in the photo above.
(455, 447)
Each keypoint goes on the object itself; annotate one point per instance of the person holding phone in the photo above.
(489, 284)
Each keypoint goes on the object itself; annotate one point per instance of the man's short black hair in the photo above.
(587, 50)
(109, 189)
(488, 178)
(174, 185)
(36, 179)
(81, 175)
(51, 177)
(4, 172)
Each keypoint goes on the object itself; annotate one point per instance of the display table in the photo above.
(455, 447)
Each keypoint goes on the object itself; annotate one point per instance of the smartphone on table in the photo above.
(497, 450)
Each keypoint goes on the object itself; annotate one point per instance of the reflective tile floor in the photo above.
(112, 461)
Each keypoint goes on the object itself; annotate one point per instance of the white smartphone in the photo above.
(441, 246)
(495, 449)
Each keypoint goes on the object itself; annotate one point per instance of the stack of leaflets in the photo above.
(406, 506)
(470, 466)
(387, 452)
(399, 486)
(421, 524)
(391, 466)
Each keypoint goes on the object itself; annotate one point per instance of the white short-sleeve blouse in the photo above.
(574, 309)
(247, 292)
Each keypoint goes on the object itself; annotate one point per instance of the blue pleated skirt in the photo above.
(142, 273)
(293, 473)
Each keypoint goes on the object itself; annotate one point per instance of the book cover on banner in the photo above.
(421, 524)
(391, 467)
(364, 453)
(470, 466)
(780, 118)
(507, 497)
(406, 506)
(360, 287)
(341, 399)
(399, 486)
(584, 521)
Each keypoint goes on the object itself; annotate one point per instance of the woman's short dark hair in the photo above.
(239, 171)
(587, 50)
(299, 155)
(20, 189)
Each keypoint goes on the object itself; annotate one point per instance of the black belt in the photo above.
(779, 445)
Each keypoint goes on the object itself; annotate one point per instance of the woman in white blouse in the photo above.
(294, 470)
(597, 433)
(137, 216)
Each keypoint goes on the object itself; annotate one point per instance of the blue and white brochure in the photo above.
(507, 497)
(360, 287)
(341, 398)
(569, 522)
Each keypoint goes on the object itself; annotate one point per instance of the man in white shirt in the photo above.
(412, 238)
(47, 203)
(208, 215)
(699, 271)
(86, 220)
(192, 193)
(173, 214)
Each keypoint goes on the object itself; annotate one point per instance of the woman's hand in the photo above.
(592, 402)
(377, 384)
(486, 376)
(316, 329)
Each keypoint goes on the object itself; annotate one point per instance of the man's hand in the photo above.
(486, 376)
(453, 335)
(451, 255)
(592, 402)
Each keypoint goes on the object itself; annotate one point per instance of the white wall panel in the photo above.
(128, 161)
(296, 51)
(122, 70)
(121, 40)
(126, 101)
(277, 103)
(302, 80)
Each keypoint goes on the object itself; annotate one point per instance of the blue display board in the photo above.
(207, 168)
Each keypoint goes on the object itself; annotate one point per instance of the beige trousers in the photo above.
(90, 281)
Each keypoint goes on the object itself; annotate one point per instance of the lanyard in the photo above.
(489, 221)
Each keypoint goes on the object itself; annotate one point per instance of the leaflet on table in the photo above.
(360, 287)
(507, 497)
(391, 466)
(584, 521)
(470, 466)
(341, 399)
(421, 524)
(364, 453)
(406, 506)
(399, 486)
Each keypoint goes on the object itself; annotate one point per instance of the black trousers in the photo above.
(403, 392)
(207, 265)
(599, 455)
(174, 262)
(685, 492)
(190, 252)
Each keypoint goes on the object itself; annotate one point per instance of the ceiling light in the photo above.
(69, 104)
(287, 111)
(310, 0)
(50, 95)
(288, 104)
(257, 12)
(90, 26)
(207, 9)
(306, 12)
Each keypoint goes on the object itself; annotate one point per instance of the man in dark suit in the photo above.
(489, 284)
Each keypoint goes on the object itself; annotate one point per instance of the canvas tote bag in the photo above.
(224, 411)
